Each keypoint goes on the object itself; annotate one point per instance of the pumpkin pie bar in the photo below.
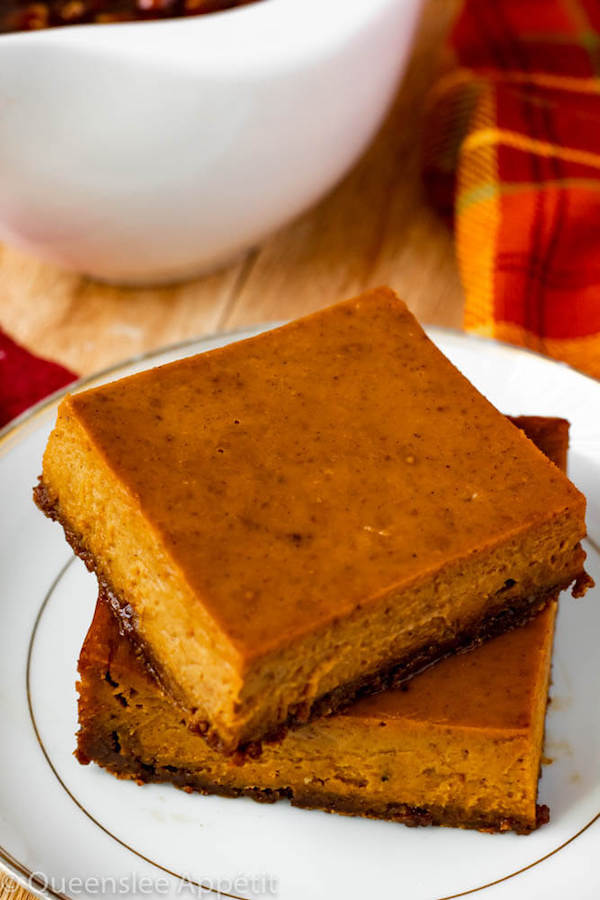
(460, 745)
(316, 512)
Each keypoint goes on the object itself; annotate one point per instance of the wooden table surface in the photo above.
(374, 228)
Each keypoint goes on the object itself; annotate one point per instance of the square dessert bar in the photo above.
(460, 745)
(316, 512)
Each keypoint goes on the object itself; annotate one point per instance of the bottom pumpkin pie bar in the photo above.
(458, 745)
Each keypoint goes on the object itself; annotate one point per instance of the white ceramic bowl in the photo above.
(149, 152)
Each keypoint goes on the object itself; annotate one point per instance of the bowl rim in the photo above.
(255, 35)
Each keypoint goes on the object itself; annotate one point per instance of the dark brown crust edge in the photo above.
(110, 758)
(519, 613)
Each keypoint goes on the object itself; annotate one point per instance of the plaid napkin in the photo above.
(25, 379)
(512, 153)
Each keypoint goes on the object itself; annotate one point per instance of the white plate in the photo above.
(81, 831)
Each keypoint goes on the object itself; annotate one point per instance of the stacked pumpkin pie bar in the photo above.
(284, 531)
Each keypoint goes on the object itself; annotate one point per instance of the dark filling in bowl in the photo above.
(25, 15)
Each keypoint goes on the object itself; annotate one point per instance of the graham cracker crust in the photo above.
(105, 752)
(519, 613)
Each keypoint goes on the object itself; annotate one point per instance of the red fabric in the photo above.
(25, 378)
(513, 160)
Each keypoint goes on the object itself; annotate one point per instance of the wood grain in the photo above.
(8, 889)
(374, 228)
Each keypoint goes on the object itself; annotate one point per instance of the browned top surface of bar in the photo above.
(297, 474)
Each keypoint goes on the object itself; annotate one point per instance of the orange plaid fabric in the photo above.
(513, 154)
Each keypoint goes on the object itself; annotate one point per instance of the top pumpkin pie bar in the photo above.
(311, 514)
